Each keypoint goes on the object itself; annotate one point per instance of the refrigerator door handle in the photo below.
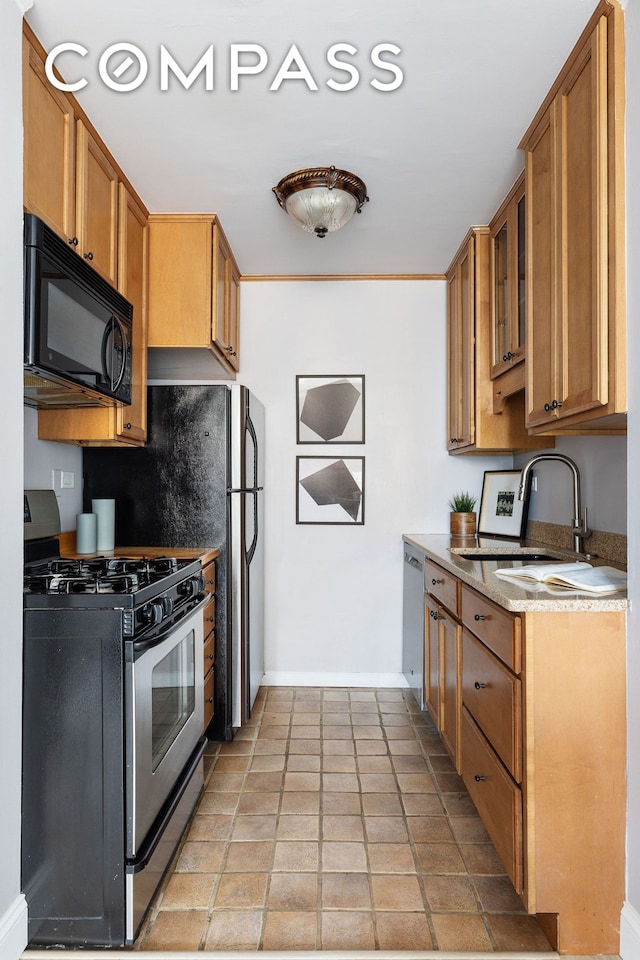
(243, 489)
(252, 548)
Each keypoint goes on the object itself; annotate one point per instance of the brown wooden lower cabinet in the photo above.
(208, 616)
(540, 740)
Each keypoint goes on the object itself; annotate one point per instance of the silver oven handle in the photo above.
(140, 646)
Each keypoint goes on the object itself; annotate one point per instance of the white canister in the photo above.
(105, 510)
(86, 533)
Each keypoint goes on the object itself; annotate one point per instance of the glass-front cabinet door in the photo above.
(508, 294)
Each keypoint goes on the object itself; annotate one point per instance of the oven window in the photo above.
(173, 696)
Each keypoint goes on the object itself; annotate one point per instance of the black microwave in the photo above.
(77, 327)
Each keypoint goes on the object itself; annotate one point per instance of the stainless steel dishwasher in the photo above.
(413, 621)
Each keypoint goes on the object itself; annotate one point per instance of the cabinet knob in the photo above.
(556, 404)
(127, 426)
(209, 619)
(508, 356)
(479, 686)
(478, 777)
(479, 616)
(209, 656)
(73, 241)
(434, 581)
(88, 256)
(230, 351)
(454, 440)
(209, 700)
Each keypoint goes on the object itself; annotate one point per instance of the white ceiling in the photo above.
(437, 154)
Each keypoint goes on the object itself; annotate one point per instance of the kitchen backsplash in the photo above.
(608, 546)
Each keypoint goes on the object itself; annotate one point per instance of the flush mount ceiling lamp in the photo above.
(320, 200)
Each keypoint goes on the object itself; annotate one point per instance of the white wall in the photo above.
(13, 917)
(334, 593)
(602, 462)
(630, 928)
(43, 456)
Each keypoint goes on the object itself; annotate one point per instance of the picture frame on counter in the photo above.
(330, 490)
(330, 409)
(502, 514)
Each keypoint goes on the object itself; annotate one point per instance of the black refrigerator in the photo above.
(199, 482)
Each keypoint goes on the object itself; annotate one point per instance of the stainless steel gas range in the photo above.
(112, 732)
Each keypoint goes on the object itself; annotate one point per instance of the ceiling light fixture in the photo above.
(321, 199)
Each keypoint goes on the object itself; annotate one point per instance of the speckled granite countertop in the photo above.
(480, 574)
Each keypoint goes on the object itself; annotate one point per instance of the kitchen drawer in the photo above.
(208, 698)
(496, 627)
(443, 586)
(209, 652)
(497, 798)
(209, 615)
(492, 694)
(209, 574)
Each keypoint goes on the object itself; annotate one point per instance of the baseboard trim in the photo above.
(629, 932)
(14, 929)
(286, 678)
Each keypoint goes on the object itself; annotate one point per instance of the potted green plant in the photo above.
(463, 518)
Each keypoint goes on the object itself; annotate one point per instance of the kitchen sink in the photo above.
(506, 555)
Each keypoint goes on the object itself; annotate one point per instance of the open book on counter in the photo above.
(561, 577)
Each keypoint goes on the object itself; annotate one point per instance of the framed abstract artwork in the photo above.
(330, 409)
(330, 490)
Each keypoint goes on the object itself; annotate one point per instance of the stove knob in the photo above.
(192, 587)
(152, 613)
(167, 606)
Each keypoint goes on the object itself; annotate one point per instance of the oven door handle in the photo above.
(141, 645)
(146, 851)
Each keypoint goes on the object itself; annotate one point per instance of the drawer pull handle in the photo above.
(479, 616)
(434, 581)
(479, 686)
(479, 778)
(209, 656)
(209, 700)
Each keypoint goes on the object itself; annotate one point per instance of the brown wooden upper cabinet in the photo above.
(575, 336)
(194, 289)
(74, 185)
(472, 424)
(508, 295)
(70, 181)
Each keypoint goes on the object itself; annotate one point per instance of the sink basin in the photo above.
(506, 555)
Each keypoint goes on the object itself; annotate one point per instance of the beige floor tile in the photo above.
(336, 827)
(459, 932)
(210, 827)
(371, 748)
(265, 747)
(341, 804)
(496, 895)
(241, 890)
(302, 781)
(336, 731)
(345, 891)
(449, 782)
(374, 764)
(450, 894)
(268, 763)
(396, 892)
(293, 891)
(469, 830)
(218, 802)
(305, 745)
(296, 855)
(344, 856)
(300, 802)
(305, 719)
(258, 803)
(339, 765)
(234, 930)
(422, 805)
(331, 719)
(378, 783)
(332, 747)
(250, 857)
(391, 858)
(367, 732)
(416, 782)
(274, 731)
(259, 827)
(518, 933)
(405, 763)
(186, 891)
(381, 804)
(305, 731)
(481, 858)
(385, 829)
(179, 930)
(403, 931)
(439, 858)
(429, 829)
(235, 747)
(297, 826)
(303, 763)
(225, 782)
(230, 764)
(202, 856)
(348, 930)
(340, 782)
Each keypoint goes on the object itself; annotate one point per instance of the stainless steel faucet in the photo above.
(580, 529)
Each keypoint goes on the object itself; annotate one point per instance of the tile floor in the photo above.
(336, 821)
